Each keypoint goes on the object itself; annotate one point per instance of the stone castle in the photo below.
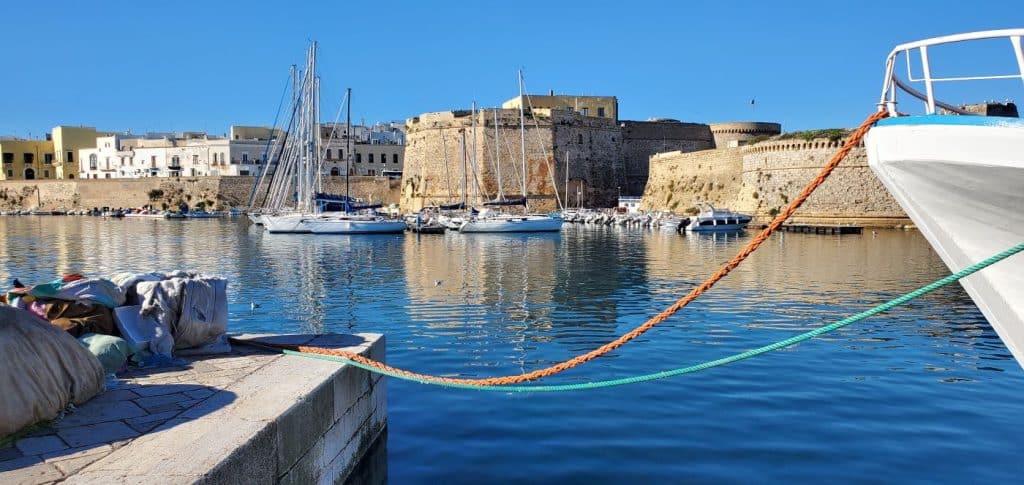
(570, 141)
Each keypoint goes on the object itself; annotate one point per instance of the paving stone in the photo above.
(149, 418)
(9, 453)
(38, 473)
(24, 461)
(97, 433)
(154, 401)
(114, 396)
(40, 445)
(94, 412)
(163, 389)
(200, 394)
(72, 460)
(95, 449)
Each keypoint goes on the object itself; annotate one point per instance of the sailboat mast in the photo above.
(474, 164)
(522, 138)
(462, 155)
(567, 178)
(497, 156)
(348, 144)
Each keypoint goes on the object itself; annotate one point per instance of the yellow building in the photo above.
(67, 140)
(27, 159)
(596, 106)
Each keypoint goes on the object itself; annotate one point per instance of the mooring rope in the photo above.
(669, 373)
(756, 242)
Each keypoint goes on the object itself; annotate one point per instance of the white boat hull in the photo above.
(347, 226)
(286, 224)
(962, 183)
(513, 224)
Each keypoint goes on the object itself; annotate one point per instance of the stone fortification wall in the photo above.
(679, 179)
(603, 156)
(215, 192)
(641, 139)
(775, 171)
(737, 133)
(762, 179)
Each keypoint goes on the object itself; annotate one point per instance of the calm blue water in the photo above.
(927, 393)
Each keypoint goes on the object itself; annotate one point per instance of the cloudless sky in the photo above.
(189, 65)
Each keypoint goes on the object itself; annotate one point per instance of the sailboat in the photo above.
(303, 168)
(490, 220)
(348, 221)
(960, 178)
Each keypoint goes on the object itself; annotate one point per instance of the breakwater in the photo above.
(217, 193)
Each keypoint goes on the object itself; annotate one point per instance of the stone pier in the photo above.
(250, 416)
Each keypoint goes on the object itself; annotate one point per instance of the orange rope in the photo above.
(852, 142)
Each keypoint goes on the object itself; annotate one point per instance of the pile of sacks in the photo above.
(140, 319)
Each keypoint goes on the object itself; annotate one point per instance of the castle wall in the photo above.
(678, 180)
(642, 139)
(216, 192)
(762, 179)
(604, 157)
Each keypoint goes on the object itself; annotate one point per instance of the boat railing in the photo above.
(892, 81)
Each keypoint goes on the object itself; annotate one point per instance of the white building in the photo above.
(187, 154)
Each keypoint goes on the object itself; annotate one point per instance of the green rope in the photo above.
(702, 366)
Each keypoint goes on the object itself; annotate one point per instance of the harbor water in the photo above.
(925, 393)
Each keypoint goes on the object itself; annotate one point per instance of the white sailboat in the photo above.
(348, 222)
(490, 220)
(303, 170)
(960, 178)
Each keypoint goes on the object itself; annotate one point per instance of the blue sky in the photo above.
(171, 66)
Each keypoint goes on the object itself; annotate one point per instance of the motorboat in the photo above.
(959, 176)
(710, 219)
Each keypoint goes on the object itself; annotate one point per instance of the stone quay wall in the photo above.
(604, 157)
(215, 192)
(761, 179)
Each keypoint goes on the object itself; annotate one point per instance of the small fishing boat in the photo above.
(960, 177)
(200, 214)
(710, 219)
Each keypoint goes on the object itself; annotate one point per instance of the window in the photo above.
(341, 154)
(581, 138)
(8, 158)
(175, 161)
(71, 176)
(245, 158)
(30, 174)
(106, 175)
(394, 158)
(383, 158)
(371, 158)
(243, 172)
(335, 172)
(131, 161)
(152, 161)
(108, 163)
(48, 158)
(10, 173)
(71, 157)
(359, 158)
(92, 161)
(328, 154)
(29, 157)
(585, 111)
(600, 112)
(122, 161)
(195, 159)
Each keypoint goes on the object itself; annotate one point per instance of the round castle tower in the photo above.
(739, 133)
